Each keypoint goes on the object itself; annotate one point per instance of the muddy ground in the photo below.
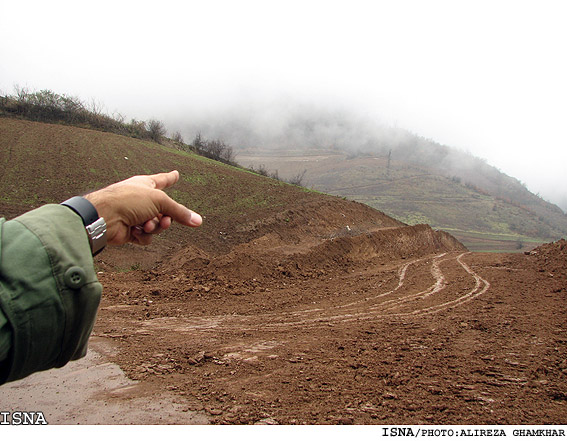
(291, 307)
(397, 325)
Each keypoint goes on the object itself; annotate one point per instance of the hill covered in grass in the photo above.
(484, 208)
(47, 163)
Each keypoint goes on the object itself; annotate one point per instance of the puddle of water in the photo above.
(93, 391)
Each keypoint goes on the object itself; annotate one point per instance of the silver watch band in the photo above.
(95, 226)
(97, 235)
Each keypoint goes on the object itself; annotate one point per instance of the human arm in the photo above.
(49, 293)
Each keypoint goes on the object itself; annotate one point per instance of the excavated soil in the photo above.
(301, 308)
(391, 325)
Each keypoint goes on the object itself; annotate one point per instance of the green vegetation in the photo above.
(483, 219)
(127, 269)
(48, 106)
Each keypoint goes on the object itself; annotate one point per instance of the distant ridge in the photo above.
(503, 216)
(47, 163)
(413, 179)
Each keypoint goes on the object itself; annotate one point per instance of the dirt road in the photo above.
(344, 332)
(287, 306)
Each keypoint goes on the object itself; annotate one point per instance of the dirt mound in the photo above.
(551, 260)
(301, 220)
(552, 257)
(256, 248)
(309, 242)
(385, 244)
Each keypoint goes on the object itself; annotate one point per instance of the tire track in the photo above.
(344, 313)
(401, 278)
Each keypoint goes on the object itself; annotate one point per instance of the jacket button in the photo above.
(75, 277)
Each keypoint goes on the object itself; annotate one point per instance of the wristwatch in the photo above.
(95, 225)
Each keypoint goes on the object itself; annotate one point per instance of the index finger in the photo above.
(179, 213)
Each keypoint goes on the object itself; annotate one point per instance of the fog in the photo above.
(485, 77)
(294, 123)
(285, 122)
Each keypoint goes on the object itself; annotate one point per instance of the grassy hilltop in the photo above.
(47, 163)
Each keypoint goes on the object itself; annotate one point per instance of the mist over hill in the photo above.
(342, 152)
(308, 129)
(287, 124)
(291, 124)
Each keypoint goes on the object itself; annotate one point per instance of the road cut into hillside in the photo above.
(397, 325)
(288, 306)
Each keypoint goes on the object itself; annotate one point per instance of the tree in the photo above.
(177, 137)
(156, 129)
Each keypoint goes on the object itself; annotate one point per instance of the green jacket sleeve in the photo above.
(49, 293)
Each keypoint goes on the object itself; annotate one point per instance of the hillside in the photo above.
(47, 163)
(482, 207)
(288, 306)
(414, 179)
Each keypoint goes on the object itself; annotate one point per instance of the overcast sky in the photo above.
(484, 76)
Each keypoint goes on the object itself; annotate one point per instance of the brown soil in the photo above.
(310, 309)
(391, 325)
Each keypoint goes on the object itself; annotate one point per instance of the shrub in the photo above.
(298, 179)
(216, 149)
(262, 170)
(177, 137)
(156, 130)
(48, 106)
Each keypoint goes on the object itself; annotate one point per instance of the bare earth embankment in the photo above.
(307, 308)
(363, 337)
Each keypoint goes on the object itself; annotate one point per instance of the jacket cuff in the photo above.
(49, 292)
